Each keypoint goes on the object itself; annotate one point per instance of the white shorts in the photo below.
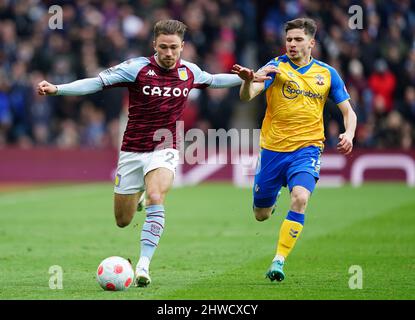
(133, 166)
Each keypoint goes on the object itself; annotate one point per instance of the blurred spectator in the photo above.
(407, 107)
(68, 135)
(382, 82)
(377, 63)
(409, 67)
(40, 113)
(5, 110)
(362, 111)
(216, 108)
(408, 137)
(19, 98)
(356, 76)
(92, 119)
(365, 135)
(389, 132)
(379, 109)
(332, 137)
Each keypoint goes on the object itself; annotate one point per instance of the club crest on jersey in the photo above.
(117, 180)
(183, 74)
(320, 80)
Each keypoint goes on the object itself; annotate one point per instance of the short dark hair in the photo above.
(170, 27)
(309, 26)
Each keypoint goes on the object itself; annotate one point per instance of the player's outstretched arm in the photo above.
(76, 88)
(224, 80)
(345, 144)
(249, 88)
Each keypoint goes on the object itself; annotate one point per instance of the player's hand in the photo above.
(345, 144)
(263, 74)
(45, 88)
(243, 73)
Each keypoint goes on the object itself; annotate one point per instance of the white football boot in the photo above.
(142, 277)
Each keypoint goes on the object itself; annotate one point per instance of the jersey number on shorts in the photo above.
(315, 164)
(170, 157)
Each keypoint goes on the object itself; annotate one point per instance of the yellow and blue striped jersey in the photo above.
(295, 103)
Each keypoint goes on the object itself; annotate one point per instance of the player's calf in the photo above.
(125, 206)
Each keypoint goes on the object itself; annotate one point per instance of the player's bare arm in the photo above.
(253, 82)
(248, 89)
(345, 144)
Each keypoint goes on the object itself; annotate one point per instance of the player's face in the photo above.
(168, 48)
(298, 44)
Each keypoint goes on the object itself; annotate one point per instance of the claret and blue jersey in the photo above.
(156, 97)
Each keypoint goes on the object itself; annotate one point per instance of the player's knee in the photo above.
(262, 214)
(263, 207)
(122, 222)
(299, 200)
(261, 217)
(154, 197)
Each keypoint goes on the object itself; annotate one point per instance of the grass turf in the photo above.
(212, 247)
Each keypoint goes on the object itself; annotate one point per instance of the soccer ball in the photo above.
(115, 274)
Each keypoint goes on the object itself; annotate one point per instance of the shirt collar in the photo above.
(301, 69)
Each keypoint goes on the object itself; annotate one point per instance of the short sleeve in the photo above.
(124, 72)
(202, 79)
(338, 92)
(273, 62)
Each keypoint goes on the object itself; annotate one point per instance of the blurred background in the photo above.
(376, 62)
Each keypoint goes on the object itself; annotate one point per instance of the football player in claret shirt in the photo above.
(158, 89)
(292, 133)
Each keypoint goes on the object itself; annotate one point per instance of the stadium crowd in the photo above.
(377, 63)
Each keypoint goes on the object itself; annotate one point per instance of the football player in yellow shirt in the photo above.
(292, 133)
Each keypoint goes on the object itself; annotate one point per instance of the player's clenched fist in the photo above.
(46, 88)
(345, 144)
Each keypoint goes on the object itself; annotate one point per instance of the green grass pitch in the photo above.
(212, 247)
